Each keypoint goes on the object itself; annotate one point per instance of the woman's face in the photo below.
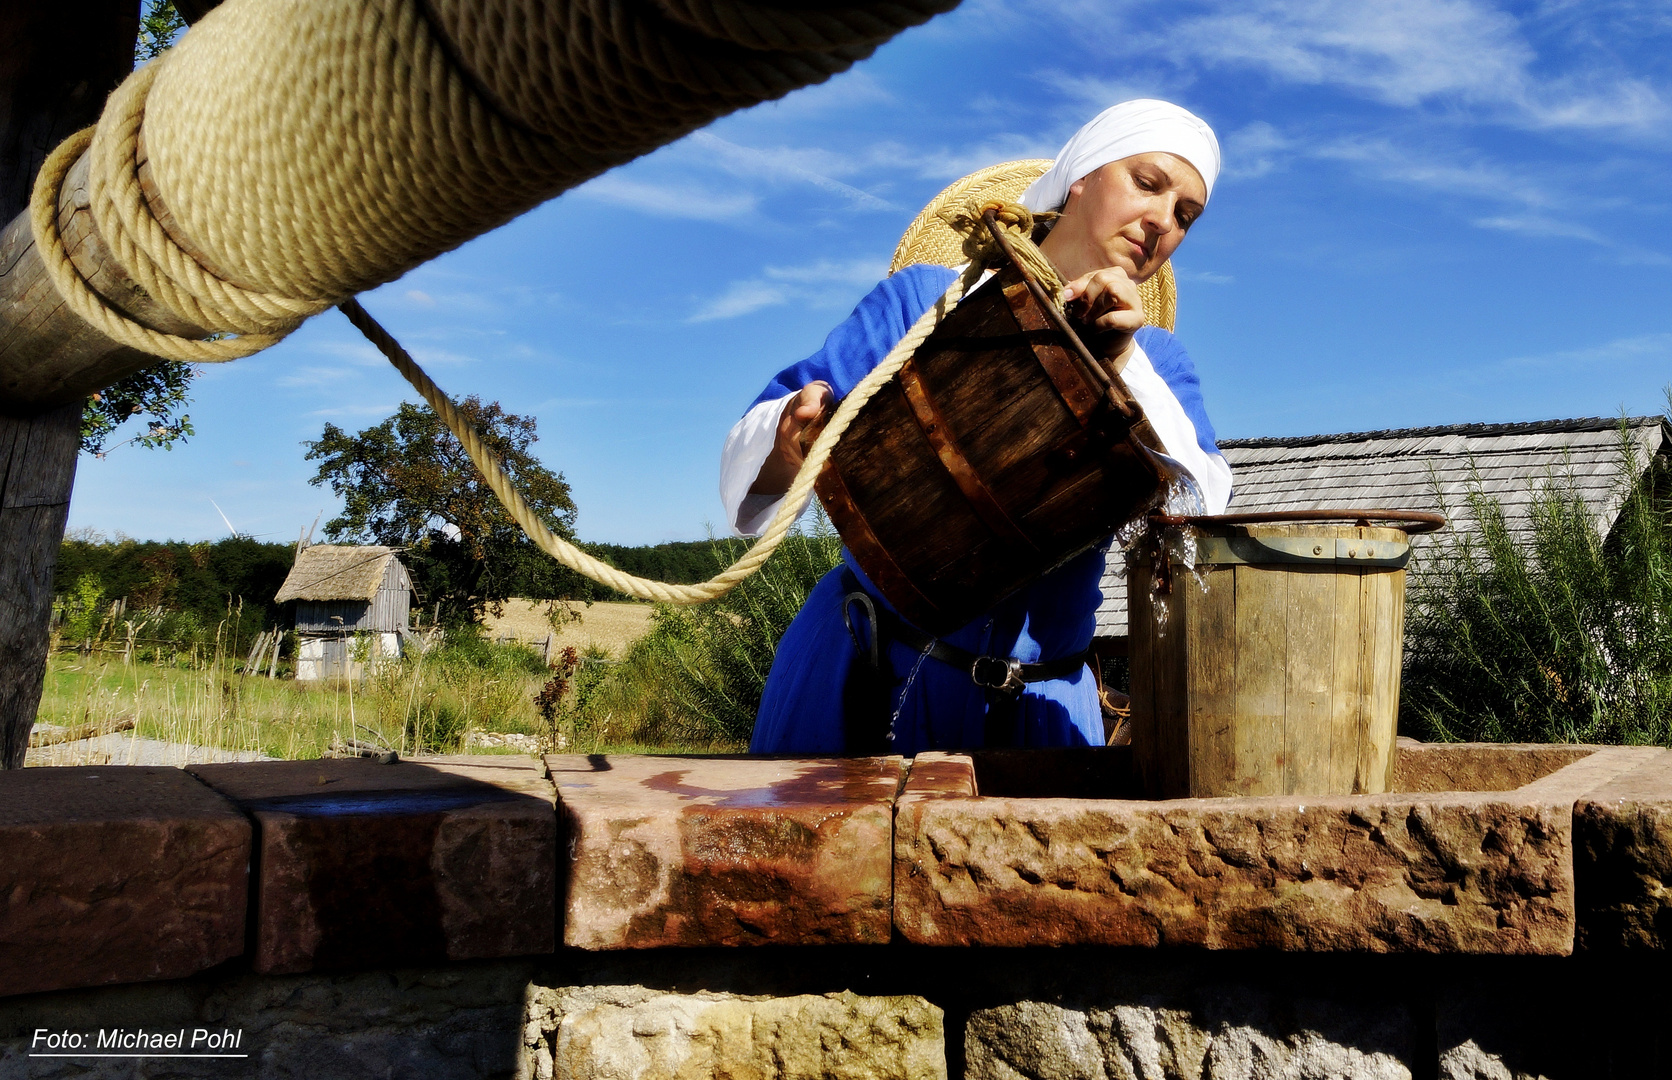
(1132, 213)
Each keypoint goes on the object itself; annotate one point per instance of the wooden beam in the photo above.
(58, 63)
(48, 355)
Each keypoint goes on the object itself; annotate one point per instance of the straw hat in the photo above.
(930, 240)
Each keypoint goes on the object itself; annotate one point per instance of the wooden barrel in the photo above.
(1273, 668)
(1002, 449)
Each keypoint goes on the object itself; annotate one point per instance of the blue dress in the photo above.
(934, 705)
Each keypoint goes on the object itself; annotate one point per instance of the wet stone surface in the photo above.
(116, 874)
(361, 864)
(1459, 872)
(725, 851)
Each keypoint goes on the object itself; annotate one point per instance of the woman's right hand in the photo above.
(800, 411)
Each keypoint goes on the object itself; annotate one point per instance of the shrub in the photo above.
(1564, 635)
(695, 679)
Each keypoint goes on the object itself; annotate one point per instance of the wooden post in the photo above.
(58, 62)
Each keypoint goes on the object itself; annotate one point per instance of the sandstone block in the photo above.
(116, 874)
(631, 1033)
(418, 861)
(1623, 833)
(726, 851)
(1435, 872)
(1212, 1033)
(1419, 766)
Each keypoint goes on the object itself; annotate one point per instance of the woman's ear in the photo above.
(1074, 191)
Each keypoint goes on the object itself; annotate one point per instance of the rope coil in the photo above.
(307, 150)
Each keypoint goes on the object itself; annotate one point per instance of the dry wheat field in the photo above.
(607, 625)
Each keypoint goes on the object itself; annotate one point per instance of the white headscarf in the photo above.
(1144, 126)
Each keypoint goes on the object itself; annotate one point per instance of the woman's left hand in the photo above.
(1107, 301)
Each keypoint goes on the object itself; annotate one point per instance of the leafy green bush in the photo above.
(695, 679)
(1561, 636)
(83, 610)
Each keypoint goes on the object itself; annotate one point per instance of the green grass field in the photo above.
(421, 705)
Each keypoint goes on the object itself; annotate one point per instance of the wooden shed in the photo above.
(353, 607)
(1403, 470)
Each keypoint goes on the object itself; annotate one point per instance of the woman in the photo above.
(1128, 186)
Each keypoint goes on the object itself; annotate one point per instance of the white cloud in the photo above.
(853, 89)
(822, 283)
(1203, 277)
(347, 411)
(742, 298)
(1626, 350)
(1465, 54)
(1254, 151)
(787, 164)
(1539, 225)
(361, 353)
(312, 377)
(668, 200)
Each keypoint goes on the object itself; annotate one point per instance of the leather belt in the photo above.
(1003, 676)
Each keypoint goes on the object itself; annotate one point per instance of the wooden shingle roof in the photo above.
(1418, 468)
(336, 572)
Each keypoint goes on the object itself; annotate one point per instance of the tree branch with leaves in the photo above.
(408, 483)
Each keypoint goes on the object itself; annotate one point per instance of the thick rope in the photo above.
(302, 151)
(982, 249)
(500, 483)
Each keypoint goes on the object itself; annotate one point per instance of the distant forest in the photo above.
(204, 578)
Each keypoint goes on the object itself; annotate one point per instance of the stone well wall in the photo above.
(993, 915)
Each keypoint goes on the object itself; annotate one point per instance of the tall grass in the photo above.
(424, 703)
(1563, 635)
(695, 679)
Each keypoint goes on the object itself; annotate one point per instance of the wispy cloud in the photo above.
(787, 164)
(820, 283)
(1626, 350)
(1203, 277)
(671, 200)
(1539, 225)
(1254, 150)
(853, 89)
(313, 377)
(349, 411)
(1466, 55)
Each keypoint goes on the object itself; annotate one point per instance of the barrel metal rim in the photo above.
(1411, 521)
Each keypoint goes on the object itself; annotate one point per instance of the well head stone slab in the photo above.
(360, 864)
(726, 850)
(1623, 837)
(112, 874)
(631, 1031)
(1443, 872)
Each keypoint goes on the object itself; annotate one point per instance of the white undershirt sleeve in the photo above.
(748, 445)
(1211, 472)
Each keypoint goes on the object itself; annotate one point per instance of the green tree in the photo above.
(159, 24)
(407, 483)
(158, 393)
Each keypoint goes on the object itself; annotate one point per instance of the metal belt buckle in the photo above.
(1001, 675)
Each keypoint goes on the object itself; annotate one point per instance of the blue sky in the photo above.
(1433, 211)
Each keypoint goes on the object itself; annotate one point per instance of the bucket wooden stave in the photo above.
(996, 455)
(1274, 668)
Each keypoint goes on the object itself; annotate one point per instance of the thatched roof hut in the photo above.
(1407, 469)
(342, 591)
(326, 572)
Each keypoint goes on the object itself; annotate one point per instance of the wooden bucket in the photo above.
(1273, 669)
(1002, 449)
